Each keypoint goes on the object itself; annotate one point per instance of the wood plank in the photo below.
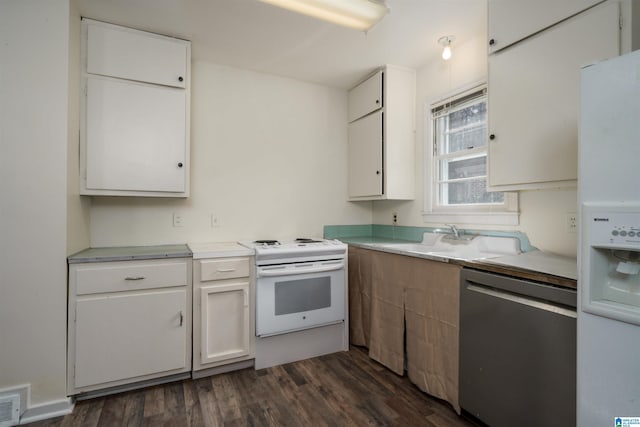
(340, 389)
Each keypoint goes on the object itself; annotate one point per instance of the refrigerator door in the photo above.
(608, 383)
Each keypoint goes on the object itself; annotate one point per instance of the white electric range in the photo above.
(301, 299)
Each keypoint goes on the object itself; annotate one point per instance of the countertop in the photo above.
(127, 253)
(219, 250)
(535, 265)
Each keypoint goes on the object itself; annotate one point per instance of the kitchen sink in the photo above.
(466, 247)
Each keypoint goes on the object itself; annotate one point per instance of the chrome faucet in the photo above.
(454, 230)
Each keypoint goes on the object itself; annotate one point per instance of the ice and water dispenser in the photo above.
(611, 261)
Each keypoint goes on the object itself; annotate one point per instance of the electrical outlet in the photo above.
(215, 222)
(572, 222)
(395, 218)
(178, 220)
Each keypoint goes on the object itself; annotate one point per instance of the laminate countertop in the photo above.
(536, 265)
(128, 253)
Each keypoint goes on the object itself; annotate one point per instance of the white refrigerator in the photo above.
(608, 364)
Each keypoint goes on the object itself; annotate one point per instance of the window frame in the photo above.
(505, 213)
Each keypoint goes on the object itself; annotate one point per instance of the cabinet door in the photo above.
(365, 156)
(135, 55)
(534, 98)
(366, 97)
(513, 20)
(135, 136)
(225, 322)
(126, 336)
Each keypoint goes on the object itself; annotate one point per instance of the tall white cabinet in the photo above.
(134, 112)
(534, 87)
(381, 146)
(129, 317)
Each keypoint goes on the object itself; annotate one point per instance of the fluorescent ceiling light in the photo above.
(358, 14)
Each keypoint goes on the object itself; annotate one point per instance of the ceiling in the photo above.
(253, 35)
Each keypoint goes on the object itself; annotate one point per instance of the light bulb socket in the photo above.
(445, 42)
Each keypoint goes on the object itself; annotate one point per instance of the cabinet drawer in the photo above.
(129, 275)
(227, 268)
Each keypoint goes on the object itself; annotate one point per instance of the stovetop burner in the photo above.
(267, 242)
(305, 240)
(270, 252)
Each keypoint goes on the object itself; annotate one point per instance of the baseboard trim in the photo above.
(56, 408)
(222, 369)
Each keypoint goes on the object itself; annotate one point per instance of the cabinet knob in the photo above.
(492, 42)
(180, 78)
(377, 101)
(492, 137)
(180, 164)
(377, 172)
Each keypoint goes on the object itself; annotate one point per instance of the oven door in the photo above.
(291, 297)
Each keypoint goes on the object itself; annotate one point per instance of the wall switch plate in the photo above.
(572, 222)
(214, 221)
(178, 220)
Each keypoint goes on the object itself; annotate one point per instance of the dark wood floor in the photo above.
(342, 389)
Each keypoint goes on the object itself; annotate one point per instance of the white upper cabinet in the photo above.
(513, 20)
(136, 55)
(366, 97)
(144, 155)
(134, 138)
(381, 153)
(534, 98)
(365, 151)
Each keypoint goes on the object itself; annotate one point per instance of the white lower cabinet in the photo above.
(225, 322)
(114, 335)
(129, 321)
(223, 307)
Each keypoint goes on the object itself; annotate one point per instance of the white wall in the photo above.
(77, 207)
(542, 213)
(268, 159)
(34, 43)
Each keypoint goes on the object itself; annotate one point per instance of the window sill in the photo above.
(481, 218)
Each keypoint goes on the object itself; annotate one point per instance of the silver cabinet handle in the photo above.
(134, 278)
(226, 270)
(181, 317)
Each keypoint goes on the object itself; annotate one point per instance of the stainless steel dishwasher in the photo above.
(517, 351)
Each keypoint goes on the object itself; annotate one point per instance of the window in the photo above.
(457, 145)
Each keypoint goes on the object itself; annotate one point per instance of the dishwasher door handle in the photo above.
(518, 299)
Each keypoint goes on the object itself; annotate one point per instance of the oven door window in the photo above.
(297, 296)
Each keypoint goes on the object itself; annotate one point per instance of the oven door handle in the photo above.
(288, 271)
